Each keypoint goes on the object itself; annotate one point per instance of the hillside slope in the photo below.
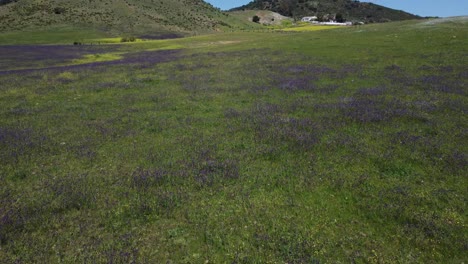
(266, 17)
(351, 10)
(139, 16)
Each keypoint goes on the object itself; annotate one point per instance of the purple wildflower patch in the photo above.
(372, 105)
(35, 56)
(16, 144)
(271, 125)
(143, 59)
(145, 178)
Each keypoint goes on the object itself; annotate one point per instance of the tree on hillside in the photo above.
(286, 7)
(339, 18)
(256, 19)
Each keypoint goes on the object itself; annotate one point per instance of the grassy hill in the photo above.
(351, 10)
(131, 16)
(245, 147)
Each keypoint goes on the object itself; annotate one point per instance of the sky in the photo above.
(441, 8)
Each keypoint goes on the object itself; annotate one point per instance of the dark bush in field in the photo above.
(128, 39)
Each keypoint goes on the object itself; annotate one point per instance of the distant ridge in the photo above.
(118, 15)
(349, 10)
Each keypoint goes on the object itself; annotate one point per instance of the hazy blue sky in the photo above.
(442, 8)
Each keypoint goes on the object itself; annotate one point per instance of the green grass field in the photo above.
(305, 28)
(346, 145)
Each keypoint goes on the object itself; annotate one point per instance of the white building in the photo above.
(309, 19)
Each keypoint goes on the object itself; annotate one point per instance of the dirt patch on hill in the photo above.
(271, 18)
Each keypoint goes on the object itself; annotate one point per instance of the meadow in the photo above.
(346, 145)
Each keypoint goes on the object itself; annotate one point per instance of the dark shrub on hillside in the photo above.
(256, 19)
(59, 10)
